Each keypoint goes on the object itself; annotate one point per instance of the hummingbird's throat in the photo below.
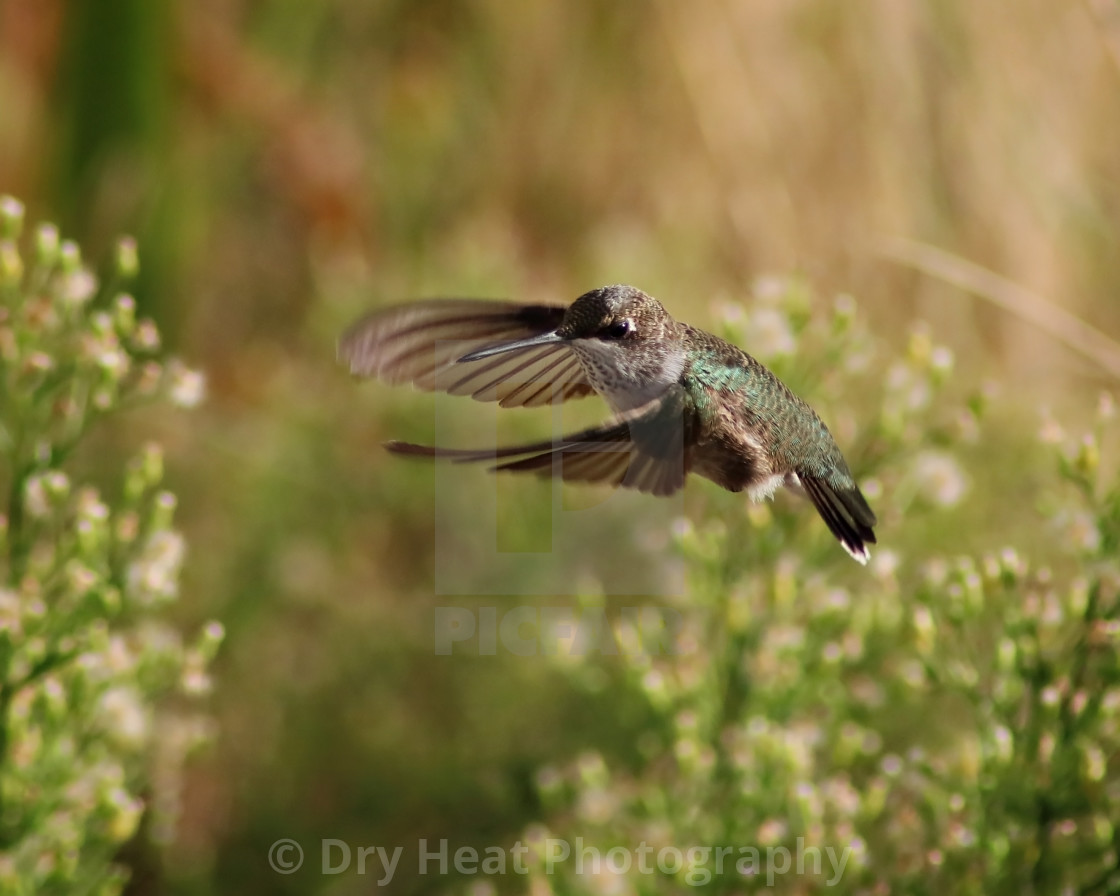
(630, 377)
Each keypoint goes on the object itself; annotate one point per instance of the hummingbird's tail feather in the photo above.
(846, 513)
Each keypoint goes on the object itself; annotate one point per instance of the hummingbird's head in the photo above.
(617, 314)
(628, 344)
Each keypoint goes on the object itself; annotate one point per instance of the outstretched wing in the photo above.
(421, 343)
(647, 452)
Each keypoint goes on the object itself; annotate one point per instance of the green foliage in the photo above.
(88, 738)
(935, 723)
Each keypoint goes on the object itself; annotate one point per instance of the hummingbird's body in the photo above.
(684, 400)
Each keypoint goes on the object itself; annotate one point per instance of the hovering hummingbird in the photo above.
(684, 401)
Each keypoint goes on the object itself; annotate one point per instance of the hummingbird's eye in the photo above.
(618, 330)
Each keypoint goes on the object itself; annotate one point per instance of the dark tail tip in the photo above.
(845, 512)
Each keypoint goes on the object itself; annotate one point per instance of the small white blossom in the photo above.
(11, 208)
(125, 811)
(653, 682)
(79, 287)
(681, 527)
(146, 337)
(941, 359)
(90, 506)
(772, 831)
(940, 478)
(114, 659)
(597, 805)
(128, 257)
(155, 574)
(1096, 764)
(39, 362)
(1082, 531)
(195, 681)
(35, 497)
(729, 312)
(114, 361)
(10, 612)
(81, 578)
(1050, 432)
(47, 241)
(770, 288)
(844, 305)
(769, 330)
(885, 563)
(842, 795)
(1004, 742)
(549, 779)
(1106, 406)
(188, 387)
(908, 390)
(124, 715)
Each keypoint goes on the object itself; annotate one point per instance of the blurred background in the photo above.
(287, 165)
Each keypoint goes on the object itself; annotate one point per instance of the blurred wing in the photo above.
(421, 343)
(647, 452)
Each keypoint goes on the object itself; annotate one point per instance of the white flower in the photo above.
(597, 805)
(940, 478)
(79, 287)
(114, 361)
(908, 390)
(729, 312)
(81, 578)
(772, 831)
(769, 330)
(124, 716)
(188, 387)
(1050, 432)
(941, 359)
(1082, 532)
(10, 612)
(1004, 742)
(195, 681)
(885, 563)
(146, 337)
(11, 208)
(770, 288)
(89, 505)
(124, 813)
(35, 497)
(1106, 406)
(155, 574)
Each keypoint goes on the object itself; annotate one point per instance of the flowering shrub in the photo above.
(946, 721)
(88, 740)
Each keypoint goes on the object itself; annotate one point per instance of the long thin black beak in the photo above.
(502, 347)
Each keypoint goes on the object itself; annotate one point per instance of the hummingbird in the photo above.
(683, 400)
